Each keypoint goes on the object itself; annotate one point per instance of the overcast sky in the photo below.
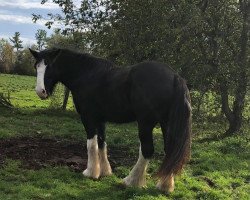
(16, 16)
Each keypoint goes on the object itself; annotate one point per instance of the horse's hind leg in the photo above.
(105, 168)
(165, 184)
(137, 176)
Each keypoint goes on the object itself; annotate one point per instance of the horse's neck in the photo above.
(74, 72)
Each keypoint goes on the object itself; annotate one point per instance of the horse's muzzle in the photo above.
(42, 94)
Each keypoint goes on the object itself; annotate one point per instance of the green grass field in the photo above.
(218, 169)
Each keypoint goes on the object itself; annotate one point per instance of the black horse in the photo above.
(148, 92)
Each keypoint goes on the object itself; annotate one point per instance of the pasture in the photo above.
(43, 152)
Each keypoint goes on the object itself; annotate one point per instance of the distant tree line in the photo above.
(15, 56)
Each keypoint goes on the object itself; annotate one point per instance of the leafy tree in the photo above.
(17, 43)
(6, 56)
(223, 43)
(197, 36)
(71, 18)
(242, 65)
(41, 36)
(74, 41)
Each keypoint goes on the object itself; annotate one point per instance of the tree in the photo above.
(75, 41)
(224, 45)
(17, 43)
(41, 36)
(234, 115)
(6, 56)
(25, 63)
(212, 35)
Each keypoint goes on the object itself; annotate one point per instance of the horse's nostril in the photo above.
(43, 91)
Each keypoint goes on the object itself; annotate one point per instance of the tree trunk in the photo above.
(235, 116)
(66, 97)
(5, 101)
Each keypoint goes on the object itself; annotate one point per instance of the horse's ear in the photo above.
(34, 53)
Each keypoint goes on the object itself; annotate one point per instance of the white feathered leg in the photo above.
(137, 176)
(93, 166)
(105, 168)
(166, 185)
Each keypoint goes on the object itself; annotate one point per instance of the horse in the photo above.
(149, 93)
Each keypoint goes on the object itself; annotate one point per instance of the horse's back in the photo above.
(152, 72)
(151, 89)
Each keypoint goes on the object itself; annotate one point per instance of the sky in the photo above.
(16, 16)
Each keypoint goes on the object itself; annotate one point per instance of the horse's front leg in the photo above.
(105, 168)
(93, 165)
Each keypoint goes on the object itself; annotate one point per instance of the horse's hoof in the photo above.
(165, 188)
(128, 181)
(120, 185)
(106, 173)
(125, 182)
(89, 174)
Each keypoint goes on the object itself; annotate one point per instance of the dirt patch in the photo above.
(36, 153)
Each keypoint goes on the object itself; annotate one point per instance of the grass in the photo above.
(218, 169)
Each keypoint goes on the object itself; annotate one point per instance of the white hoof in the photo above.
(91, 173)
(106, 172)
(135, 182)
(166, 185)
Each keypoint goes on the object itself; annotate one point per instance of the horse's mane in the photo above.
(97, 61)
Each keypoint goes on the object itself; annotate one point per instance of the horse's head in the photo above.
(46, 71)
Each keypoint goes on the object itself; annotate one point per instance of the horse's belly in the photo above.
(118, 115)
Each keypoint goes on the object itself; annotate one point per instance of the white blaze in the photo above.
(40, 88)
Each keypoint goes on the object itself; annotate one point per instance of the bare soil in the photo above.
(36, 153)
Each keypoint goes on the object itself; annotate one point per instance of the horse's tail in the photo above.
(177, 136)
